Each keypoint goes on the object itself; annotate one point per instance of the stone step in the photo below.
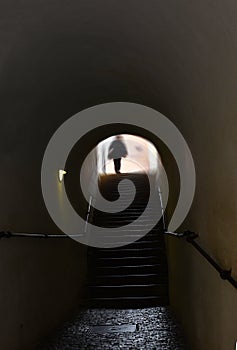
(126, 252)
(128, 269)
(129, 261)
(140, 279)
(140, 244)
(129, 302)
(137, 290)
(116, 237)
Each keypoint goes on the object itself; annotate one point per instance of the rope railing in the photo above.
(190, 238)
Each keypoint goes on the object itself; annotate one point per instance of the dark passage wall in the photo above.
(179, 57)
(42, 282)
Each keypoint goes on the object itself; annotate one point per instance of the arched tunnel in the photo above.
(60, 58)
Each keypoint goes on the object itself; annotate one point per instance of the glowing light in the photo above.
(61, 174)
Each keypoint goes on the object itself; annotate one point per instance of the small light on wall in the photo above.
(61, 174)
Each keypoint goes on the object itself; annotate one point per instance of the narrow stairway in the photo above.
(134, 275)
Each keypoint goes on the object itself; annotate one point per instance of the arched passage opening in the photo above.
(87, 159)
(142, 156)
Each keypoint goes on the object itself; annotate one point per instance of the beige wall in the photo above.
(42, 282)
(204, 304)
(209, 310)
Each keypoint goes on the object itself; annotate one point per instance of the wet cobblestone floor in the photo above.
(156, 329)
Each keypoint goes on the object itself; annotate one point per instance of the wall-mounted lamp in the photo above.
(61, 174)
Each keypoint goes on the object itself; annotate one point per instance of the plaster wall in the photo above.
(42, 283)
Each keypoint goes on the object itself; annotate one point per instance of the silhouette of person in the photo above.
(117, 150)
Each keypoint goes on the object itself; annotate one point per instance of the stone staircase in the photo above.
(134, 275)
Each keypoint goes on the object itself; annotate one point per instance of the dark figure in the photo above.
(117, 150)
(117, 165)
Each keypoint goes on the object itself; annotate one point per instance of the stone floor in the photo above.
(156, 329)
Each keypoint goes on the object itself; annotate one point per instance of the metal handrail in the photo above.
(8, 234)
(190, 238)
(162, 207)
